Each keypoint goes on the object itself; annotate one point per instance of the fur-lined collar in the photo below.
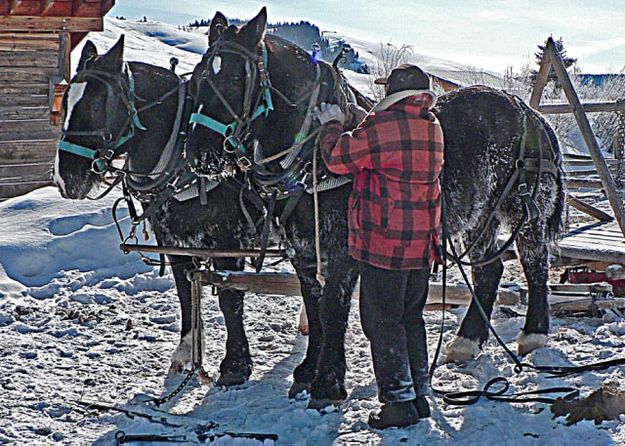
(400, 95)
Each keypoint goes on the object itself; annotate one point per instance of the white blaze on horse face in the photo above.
(216, 64)
(57, 179)
(74, 95)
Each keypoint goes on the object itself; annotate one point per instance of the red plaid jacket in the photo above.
(396, 157)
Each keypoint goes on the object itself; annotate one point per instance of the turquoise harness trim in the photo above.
(213, 124)
(85, 152)
(226, 130)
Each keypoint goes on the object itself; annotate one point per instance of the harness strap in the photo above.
(264, 236)
(291, 204)
(85, 152)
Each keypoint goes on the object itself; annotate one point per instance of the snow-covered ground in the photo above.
(79, 320)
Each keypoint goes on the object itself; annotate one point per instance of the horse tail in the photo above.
(546, 136)
(555, 222)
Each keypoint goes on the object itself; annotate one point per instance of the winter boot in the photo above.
(401, 414)
(422, 406)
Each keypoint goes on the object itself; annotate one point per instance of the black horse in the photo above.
(101, 103)
(485, 188)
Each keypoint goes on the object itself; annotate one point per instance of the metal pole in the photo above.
(199, 252)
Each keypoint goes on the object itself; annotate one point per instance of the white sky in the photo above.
(491, 34)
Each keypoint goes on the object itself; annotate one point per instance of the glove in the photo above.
(329, 112)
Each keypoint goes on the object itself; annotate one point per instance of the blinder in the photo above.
(237, 132)
(102, 156)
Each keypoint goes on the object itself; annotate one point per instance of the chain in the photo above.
(171, 395)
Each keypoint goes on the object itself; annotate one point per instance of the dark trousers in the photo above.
(391, 313)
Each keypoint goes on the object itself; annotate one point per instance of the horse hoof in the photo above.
(324, 405)
(461, 350)
(526, 343)
(297, 388)
(232, 379)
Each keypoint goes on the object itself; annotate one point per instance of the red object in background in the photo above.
(592, 277)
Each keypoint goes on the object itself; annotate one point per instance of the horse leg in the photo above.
(236, 367)
(181, 357)
(473, 330)
(534, 255)
(328, 386)
(311, 291)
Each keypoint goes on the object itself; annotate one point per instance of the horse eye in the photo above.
(236, 78)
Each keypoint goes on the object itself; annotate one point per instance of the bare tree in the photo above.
(390, 56)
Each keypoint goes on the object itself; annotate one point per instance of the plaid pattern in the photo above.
(396, 157)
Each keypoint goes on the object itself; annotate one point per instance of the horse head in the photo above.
(100, 117)
(228, 89)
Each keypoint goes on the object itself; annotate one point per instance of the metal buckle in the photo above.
(244, 163)
(522, 189)
(230, 141)
(109, 154)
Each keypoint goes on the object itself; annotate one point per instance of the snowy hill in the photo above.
(156, 42)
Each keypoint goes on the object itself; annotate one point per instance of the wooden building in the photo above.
(36, 39)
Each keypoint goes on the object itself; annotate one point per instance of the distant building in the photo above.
(36, 39)
(599, 80)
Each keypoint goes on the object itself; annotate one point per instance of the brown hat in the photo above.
(405, 77)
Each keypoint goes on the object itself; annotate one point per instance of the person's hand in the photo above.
(329, 112)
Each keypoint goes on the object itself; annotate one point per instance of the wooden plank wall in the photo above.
(27, 140)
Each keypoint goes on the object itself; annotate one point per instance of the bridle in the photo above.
(237, 132)
(111, 141)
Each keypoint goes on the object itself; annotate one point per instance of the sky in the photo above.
(490, 34)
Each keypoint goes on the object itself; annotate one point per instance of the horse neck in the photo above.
(151, 83)
(292, 73)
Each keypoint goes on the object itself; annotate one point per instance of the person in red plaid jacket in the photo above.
(396, 157)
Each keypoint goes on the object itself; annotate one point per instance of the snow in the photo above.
(79, 320)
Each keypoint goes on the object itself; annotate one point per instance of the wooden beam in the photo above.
(588, 209)
(287, 284)
(589, 107)
(17, 42)
(46, 6)
(614, 195)
(541, 80)
(24, 7)
(35, 23)
(59, 8)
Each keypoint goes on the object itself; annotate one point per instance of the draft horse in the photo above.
(136, 109)
(252, 98)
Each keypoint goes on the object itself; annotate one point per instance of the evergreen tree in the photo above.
(568, 62)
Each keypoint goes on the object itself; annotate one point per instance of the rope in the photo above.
(320, 277)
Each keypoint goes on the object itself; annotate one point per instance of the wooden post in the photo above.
(614, 195)
(551, 59)
(64, 56)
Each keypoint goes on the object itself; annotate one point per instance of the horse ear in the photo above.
(89, 52)
(218, 24)
(115, 56)
(254, 30)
